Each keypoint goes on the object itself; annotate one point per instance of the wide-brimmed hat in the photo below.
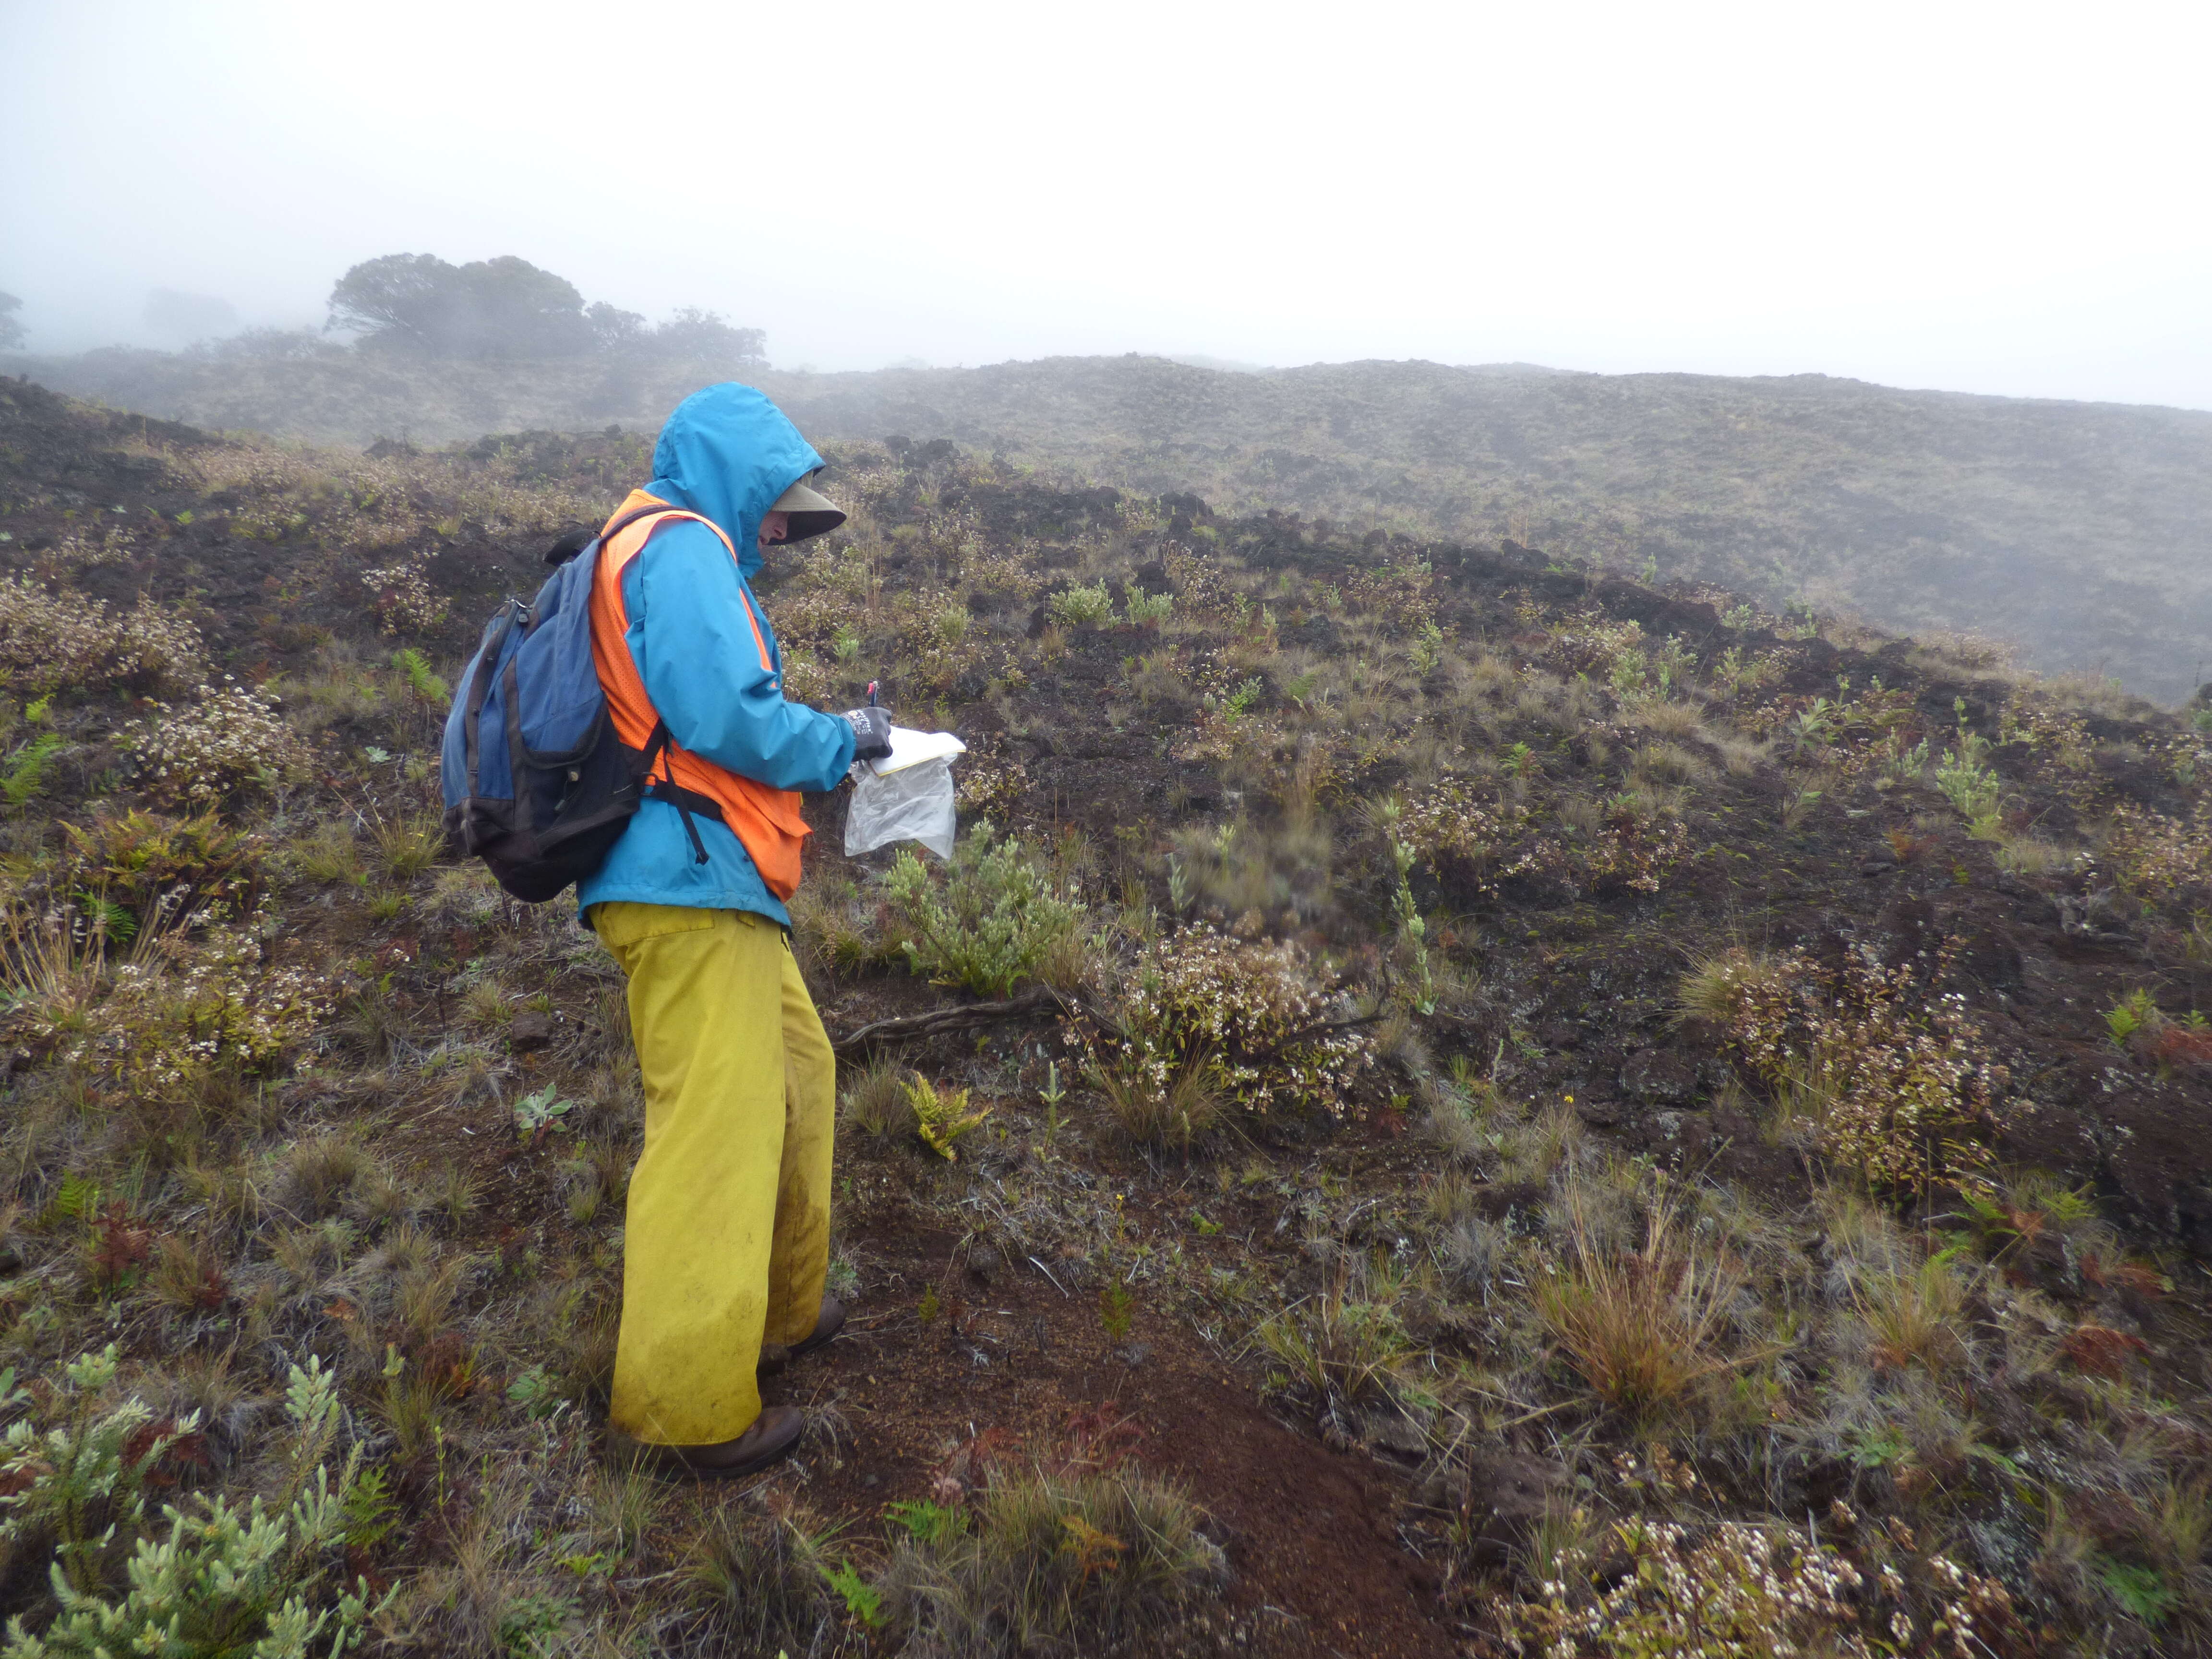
(813, 513)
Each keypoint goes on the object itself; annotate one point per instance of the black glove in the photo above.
(872, 733)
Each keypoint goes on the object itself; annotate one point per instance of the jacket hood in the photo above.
(727, 454)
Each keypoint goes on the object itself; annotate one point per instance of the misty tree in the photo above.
(508, 307)
(11, 330)
(703, 337)
(615, 331)
(502, 307)
(691, 335)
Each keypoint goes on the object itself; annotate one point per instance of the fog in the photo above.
(1987, 198)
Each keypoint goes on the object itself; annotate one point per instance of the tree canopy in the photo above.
(507, 307)
(502, 307)
(11, 332)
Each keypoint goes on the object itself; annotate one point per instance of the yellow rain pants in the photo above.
(727, 1235)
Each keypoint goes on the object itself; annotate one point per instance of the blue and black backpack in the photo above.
(537, 783)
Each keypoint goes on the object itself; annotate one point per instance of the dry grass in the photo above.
(1913, 1318)
(316, 1177)
(408, 846)
(1044, 1561)
(1640, 1325)
(876, 1102)
(1188, 1108)
(1713, 987)
(760, 1569)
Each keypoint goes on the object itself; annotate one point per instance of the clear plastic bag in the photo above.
(912, 804)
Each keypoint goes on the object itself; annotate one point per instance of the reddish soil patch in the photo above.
(1013, 1360)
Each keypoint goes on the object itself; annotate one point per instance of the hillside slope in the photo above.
(1443, 1106)
(2079, 532)
(2082, 531)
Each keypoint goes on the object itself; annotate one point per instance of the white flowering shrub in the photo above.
(805, 680)
(193, 1000)
(1246, 1015)
(1897, 1077)
(404, 598)
(2159, 859)
(985, 783)
(1449, 817)
(1734, 1589)
(50, 640)
(201, 753)
(94, 545)
(1633, 844)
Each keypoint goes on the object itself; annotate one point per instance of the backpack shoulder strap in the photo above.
(629, 518)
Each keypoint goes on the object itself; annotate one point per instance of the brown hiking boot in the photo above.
(775, 1356)
(771, 1437)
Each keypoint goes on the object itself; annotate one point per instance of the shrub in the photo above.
(1903, 1087)
(1146, 609)
(404, 599)
(226, 1578)
(2156, 857)
(51, 640)
(1080, 606)
(1245, 1016)
(1735, 1588)
(228, 740)
(1448, 818)
(74, 1486)
(1969, 785)
(184, 1007)
(993, 921)
(984, 783)
(166, 871)
(1074, 1560)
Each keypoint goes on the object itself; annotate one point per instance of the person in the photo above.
(727, 1229)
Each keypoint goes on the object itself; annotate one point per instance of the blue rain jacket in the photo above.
(726, 453)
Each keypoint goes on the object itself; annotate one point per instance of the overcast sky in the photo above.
(2005, 199)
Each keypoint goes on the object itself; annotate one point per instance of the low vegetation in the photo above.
(1438, 1095)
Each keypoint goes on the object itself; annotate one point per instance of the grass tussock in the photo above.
(1641, 1325)
(1042, 1560)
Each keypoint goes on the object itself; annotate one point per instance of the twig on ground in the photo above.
(1037, 1000)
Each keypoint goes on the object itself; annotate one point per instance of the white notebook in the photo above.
(911, 748)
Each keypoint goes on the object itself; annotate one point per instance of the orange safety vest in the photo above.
(767, 821)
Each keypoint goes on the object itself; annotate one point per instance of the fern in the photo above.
(862, 1600)
(421, 681)
(941, 1118)
(26, 772)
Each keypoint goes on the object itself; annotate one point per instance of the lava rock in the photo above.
(1656, 1075)
(1508, 1494)
(1390, 1432)
(530, 1031)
